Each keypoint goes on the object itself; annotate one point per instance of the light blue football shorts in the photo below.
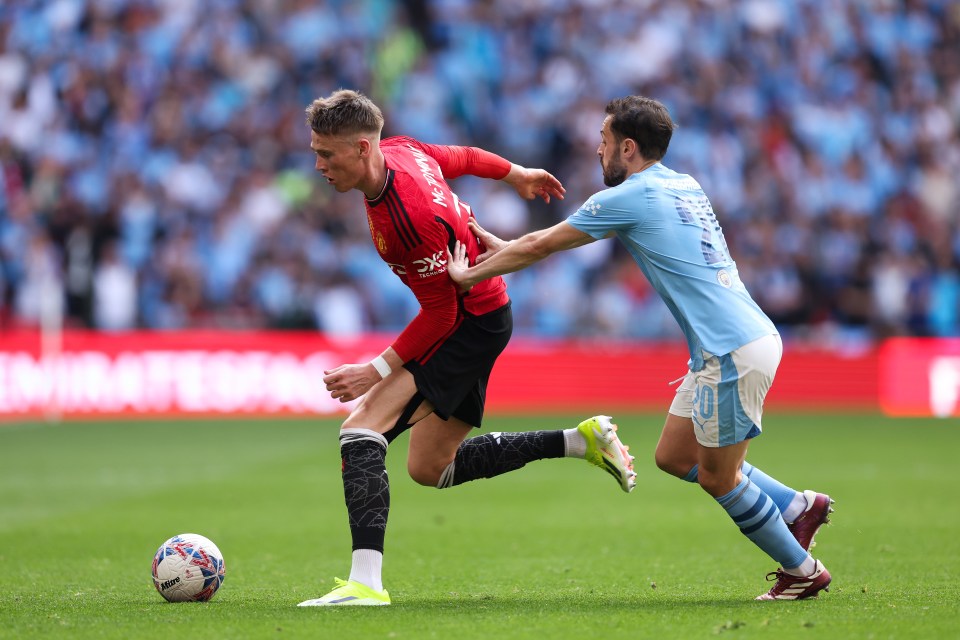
(725, 398)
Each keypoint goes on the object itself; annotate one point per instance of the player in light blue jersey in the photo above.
(667, 223)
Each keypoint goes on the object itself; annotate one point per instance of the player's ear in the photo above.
(629, 147)
(364, 146)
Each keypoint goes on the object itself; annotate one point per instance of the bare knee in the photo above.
(717, 484)
(434, 443)
(677, 449)
(426, 473)
(672, 465)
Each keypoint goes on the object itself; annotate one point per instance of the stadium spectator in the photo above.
(165, 123)
(114, 292)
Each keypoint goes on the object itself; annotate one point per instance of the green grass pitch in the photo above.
(552, 551)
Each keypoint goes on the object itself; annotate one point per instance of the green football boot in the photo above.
(350, 593)
(605, 450)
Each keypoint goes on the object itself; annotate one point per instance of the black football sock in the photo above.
(366, 488)
(491, 454)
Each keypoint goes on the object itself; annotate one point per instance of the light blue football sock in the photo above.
(782, 495)
(759, 519)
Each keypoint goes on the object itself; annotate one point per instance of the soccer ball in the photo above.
(188, 568)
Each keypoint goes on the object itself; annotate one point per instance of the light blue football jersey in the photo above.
(667, 223)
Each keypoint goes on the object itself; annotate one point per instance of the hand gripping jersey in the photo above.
(413, 222)
(666, 222)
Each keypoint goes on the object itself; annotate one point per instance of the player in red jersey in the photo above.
(432, 380)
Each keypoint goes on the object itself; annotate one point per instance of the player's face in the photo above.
(338, 159)
(614, 169)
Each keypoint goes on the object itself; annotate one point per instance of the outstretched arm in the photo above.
(457, 161)
(504, 258)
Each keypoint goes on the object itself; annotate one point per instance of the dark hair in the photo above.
(645, 121)
(344, 112)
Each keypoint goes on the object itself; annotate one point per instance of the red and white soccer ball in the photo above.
(188, 568)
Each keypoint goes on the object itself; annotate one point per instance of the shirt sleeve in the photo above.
(602, 213)
(426, 267)
(459, 161)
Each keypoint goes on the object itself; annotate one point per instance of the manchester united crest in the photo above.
(376, 236)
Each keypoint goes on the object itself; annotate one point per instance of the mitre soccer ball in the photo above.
(188, 568)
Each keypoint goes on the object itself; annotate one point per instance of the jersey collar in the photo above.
(383, 192)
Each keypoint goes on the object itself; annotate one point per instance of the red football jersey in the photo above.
(413, 222)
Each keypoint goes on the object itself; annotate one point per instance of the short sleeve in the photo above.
(604, 213)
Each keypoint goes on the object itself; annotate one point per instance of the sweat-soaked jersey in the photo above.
(413, 222)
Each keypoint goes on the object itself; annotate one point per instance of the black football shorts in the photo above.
(454, 377)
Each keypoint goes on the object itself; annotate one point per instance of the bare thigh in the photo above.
(382, 406)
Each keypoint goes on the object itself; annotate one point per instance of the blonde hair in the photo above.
(344, 112)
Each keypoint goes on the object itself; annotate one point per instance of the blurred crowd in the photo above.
(155, 169)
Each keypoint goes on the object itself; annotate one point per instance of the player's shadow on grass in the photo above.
(525, 603)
